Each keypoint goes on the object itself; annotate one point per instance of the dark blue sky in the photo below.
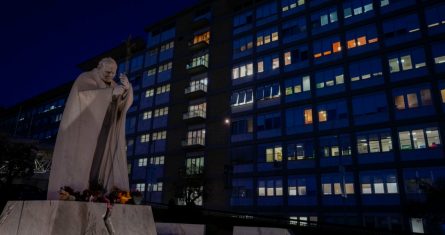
(41, 42)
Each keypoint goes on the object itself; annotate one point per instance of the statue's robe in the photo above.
(90, 144)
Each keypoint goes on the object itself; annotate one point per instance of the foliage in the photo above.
(16, 160)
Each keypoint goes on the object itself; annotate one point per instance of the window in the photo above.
(294, 29)
(300, 150)
(362, 38)
(406, 60)
(370, 108)
(156, 187)
(196, 137)
(401, 29)
(374, 142)
(243, 19)
(202, 60)
(149, 93)
(268, 121)
(337, 184)
(268, 64)
(142, 162)
(140, 187)
(266, 10)
(161, 112)
(164, 67)
(333, 114)
(144, 138)
(379, 183)
(365, 69)
(297, 85)
(419, 138)
(163, 89)
(270, 91)
(242, 97)
(202, 37)
(194, 165)
(242, 70)
(413, 97)
(297, 186)
(160, 135)
(334, 146)
(242, 126)
(274, 154)
(329, 78)
(438, 50)
(270, 187)
(146, 115)
(435, 19)
(167, 46)
(327, 47)
(136, 63)
(242, 46)
(296, 56)
(266, 36)
(323, 18)
(298, 118)
(159, 160)
(353, 8)
(290, 5)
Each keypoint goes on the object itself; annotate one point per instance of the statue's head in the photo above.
(107, 68)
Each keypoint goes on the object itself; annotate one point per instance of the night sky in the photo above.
(43, 41)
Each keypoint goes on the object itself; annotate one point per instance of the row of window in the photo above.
(160, 135)
(376, 141)
(340, 184)
(405, 64)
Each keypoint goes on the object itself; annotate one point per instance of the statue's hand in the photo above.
(118, 90)
(124, 81)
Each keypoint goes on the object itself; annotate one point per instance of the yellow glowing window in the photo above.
(287, 58)
(400, 102)
(267, 39)
(317, 55)
(288, 90)
(351, 43)
(361, 41)
(412, 100)
(259, 41)
(327, 53)
(204, 37)
(274, 36)
(373, 40)
(308, 116)
(322, 116)
(336, 47)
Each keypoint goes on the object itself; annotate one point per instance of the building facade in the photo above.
(328, 111)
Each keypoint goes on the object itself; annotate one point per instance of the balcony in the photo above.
(198, 64)
(193, 143)
(194, 116)
(196, 90)
(196, 68)
(198, 45)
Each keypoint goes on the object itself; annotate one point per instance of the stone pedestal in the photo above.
(68, 217)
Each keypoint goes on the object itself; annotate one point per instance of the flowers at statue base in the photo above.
(97, 194)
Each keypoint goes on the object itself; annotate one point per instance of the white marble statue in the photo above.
(90, 145)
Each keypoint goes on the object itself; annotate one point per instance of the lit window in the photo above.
(308, 116)
(146, 115)
(149, 93)
(322, 116)
(275, 63)
(142, 162)
(274, 154)
(287, 58)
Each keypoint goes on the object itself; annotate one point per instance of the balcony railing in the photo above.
(194, 114)
(195, 88)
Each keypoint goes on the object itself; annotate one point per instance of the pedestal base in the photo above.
(69, 217)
